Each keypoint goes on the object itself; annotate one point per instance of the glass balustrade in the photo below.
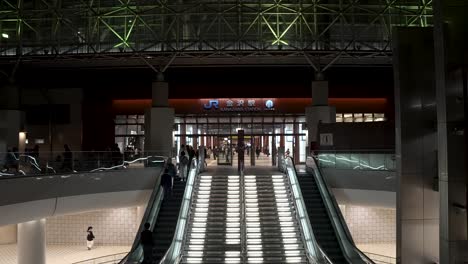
(357, 161)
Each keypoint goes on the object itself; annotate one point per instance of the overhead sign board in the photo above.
(239, 104)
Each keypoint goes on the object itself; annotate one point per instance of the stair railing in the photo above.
(174, 253)
(243, 220)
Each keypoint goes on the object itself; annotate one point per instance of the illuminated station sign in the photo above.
(239, 105)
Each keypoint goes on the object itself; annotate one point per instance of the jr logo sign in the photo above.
(211, 104)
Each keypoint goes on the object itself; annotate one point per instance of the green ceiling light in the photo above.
(5, 35)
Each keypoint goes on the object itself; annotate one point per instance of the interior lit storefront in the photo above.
(269, 125)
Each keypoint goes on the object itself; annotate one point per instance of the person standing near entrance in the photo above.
(90, 238)
(146, 240)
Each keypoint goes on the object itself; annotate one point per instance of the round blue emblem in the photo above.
(269, 104)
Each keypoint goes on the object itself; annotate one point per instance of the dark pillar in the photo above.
(451, 60)
(415, 146)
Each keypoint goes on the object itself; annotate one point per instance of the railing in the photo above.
(108, 259)
(173, 254)
(150, 216)
(350, 251)
(14, 164)
(356, 160)
(243, 216)
(381, 259)
(313, 251)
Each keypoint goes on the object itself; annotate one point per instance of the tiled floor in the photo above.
(62, 254)
(384, 249)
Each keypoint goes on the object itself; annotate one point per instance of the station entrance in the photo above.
(265, 137)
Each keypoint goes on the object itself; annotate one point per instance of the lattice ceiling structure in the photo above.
(206, 32)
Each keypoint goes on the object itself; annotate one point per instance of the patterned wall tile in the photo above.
(370, 224)
(111, 227)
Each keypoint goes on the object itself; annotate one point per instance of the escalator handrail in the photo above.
(351, 252)
(154, 205)
(173, 254)
(313, 251)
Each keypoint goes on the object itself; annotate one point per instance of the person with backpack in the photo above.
(90, 238)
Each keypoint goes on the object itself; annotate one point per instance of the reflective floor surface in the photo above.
(63, 254)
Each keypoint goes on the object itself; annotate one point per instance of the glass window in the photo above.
(339, 118)
(246, 119)
(368, 117)
(258, 119)
(301, 119)
(131, 129)
(236, 119)
(279, 119)
(141, 129)
(348, 118)
(224, 120)
(212, 120)
(190, 120)
(120, 129)
(267, 119)
(202, 120)
(379, 117)
(358, 117)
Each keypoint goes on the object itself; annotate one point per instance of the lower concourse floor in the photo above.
(66, 254)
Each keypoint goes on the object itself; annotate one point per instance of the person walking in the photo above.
(171, 167)
(67, 159)
(146, 240)
(90, 238)
(183, 163)
(166, 183)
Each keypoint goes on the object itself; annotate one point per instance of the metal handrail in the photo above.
(101, 257)
(50, 171)
(173, 254)
(373, 256)
(351, 252)
(243, 218)
(151, 213)
(313, 251)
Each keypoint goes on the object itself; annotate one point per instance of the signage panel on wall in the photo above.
(239, 104)
(326, 139)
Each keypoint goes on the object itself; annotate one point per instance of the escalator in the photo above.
(319, 219)
(328, 225)
(164, 218)
(249, 222)
(165, 226)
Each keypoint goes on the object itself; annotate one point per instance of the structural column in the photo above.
(32, 242)
(416, 146)
(11, 118)
(320, 111)
(159, 120)
(451, 74)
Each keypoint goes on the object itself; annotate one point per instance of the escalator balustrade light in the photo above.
(195, 253)
(232, 260)
(232, 241)
(255, 260)
(194, 260)
(255, 253)
(293, 259)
